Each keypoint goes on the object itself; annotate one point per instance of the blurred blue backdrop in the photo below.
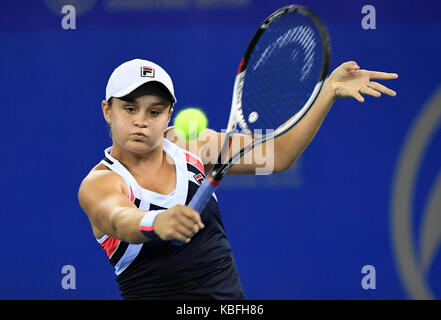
(365, 192)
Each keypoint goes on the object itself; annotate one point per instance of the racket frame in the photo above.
(236, 113)
(203, 195)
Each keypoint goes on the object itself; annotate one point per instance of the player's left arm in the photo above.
(348, 80)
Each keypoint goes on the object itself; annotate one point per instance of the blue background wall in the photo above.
(324, 219)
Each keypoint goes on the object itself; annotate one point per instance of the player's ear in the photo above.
(107, 111)
(170, 112)
(167, 130)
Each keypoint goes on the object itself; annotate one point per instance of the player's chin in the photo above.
(140, 145)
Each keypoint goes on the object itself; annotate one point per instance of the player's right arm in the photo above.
(104, 197)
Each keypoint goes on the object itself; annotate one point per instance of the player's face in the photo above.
(138, 125)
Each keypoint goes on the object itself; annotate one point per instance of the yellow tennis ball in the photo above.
(189, 123)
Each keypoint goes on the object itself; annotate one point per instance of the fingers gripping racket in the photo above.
(279, 78)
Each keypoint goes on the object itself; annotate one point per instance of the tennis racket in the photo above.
(279, 78)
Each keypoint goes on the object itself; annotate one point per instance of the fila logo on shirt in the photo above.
(199, 178)
(147, 72)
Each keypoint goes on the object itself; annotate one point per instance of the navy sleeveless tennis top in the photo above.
(202, 269)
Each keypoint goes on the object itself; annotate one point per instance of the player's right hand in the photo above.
(178, 223)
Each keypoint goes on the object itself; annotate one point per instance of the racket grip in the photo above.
(203, 195)
(201, 198)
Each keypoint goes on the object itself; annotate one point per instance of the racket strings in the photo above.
(282, 72)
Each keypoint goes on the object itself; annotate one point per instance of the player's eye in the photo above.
(129, 109)
(154, 113)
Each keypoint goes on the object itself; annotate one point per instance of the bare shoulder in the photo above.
(100, 180)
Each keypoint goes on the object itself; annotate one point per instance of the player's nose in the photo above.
(140, 123)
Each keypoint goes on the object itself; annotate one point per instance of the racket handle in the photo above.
(201, 198)
(203, 195)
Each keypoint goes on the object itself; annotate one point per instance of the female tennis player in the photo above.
(136, 196)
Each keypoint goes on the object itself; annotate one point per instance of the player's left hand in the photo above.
(348, 80)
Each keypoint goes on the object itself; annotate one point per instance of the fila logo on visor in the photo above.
(147, 72)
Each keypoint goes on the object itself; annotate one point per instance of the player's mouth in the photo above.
(139, 135)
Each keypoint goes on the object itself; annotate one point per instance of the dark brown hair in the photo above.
(147, 88)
